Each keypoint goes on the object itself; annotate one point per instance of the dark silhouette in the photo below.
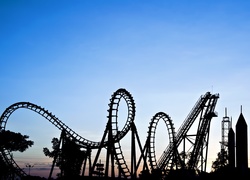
(71, 152)
(241, 144)
(11, 141)
(67, 155)
(14, 141)
(231, 148)
(221, 160)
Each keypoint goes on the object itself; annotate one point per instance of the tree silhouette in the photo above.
(13, 142)
(72, 158)
(221, 161)
(68, 157)
(55, 146)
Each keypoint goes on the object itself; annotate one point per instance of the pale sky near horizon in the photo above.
(71, 56)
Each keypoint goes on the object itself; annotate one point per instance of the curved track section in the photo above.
(50, 117)
(47, 115)
(119, 134)
(151, 136)
(113, 115)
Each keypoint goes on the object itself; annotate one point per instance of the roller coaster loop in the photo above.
(112, 137)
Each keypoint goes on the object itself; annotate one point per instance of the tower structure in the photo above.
(226, 125)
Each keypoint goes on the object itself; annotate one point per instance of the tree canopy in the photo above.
(13, 141)
(68, 157)
(221, 161)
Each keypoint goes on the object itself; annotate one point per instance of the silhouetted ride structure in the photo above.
(185, 150)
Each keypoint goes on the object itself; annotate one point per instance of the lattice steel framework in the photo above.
(226, 124)
(170, 158)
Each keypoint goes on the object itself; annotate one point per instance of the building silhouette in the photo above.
(231, 148)
(241, 144)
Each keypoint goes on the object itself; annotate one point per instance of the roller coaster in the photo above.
(184, 151)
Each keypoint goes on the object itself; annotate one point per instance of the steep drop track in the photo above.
(112, 135)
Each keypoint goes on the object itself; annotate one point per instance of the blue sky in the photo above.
(70, 56)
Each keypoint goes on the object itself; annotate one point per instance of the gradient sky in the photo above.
(71, 56)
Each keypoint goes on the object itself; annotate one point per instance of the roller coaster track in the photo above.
(151, 136)
(203, 107)
(113, 135)
(113, 114)
(202, 135)
(47, 115)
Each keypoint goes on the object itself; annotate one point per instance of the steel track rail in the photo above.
(151, 136)
(50, 117)
(113, 113)
(118, 135)
(47, 115)
(165, 161)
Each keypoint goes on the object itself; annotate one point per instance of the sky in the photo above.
(71, 56)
